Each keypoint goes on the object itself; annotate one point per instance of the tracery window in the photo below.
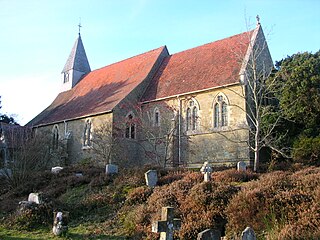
(87, 133)
(130, 127)
(220, 111)
(192, 116)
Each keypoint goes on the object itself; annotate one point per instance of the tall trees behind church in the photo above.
(297, 89)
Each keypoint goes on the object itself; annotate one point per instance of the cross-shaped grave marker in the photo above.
(167, 224)
(206, 170)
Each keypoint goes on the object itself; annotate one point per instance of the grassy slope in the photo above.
(121, 207)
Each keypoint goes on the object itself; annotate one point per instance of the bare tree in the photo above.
(104, 143)
(159, 134)
(258, 93)
(28, 153)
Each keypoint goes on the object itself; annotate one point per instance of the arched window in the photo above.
(224, 119)
(216, 115)
(55, 137)
(188, 119)
(130, 127)
(156, 117)
(220, 111)
(87, 134)
(192, 116)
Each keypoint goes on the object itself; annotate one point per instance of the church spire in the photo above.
(77, 65)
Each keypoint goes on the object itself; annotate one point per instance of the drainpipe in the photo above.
(179, 131)
(65, 128)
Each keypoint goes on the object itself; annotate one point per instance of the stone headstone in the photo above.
(111, 169)
(209, 234)
(35, 197)
(241, 166)
(60, 223)
(167, 224)
(56, 170)
(151, 178)
(248, 234)
(206, 170)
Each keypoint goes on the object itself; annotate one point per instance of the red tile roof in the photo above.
(100, 90)
(210, 65)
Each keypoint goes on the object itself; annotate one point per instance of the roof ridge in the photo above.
(140, 54)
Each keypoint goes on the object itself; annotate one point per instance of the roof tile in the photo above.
(100, 90)
(210, 65)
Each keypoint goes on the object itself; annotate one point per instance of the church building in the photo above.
(158, 108)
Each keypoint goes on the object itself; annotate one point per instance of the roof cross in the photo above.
(258, 19)
(79, 25)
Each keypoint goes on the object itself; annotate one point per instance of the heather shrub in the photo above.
(204, 208)
(32, 217)
(138, 195)
(233, 175)
(199, 205)
(278, 206)
(170, 177)
(250, 206)
(305, 227)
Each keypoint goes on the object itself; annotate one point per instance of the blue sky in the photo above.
(37, 36)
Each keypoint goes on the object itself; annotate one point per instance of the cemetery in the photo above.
(157, 203)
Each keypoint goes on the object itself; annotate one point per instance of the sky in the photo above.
(36, 36)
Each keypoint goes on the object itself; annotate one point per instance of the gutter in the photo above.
(192, 92)
(71, 119)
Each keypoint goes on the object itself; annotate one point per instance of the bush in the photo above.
(139, 195)
(31, 217)
(307, 150)
(233, 175)
(199, 205)
(278, 206)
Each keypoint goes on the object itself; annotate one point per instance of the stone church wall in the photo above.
(220, 145)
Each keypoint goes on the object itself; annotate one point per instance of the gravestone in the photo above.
(241, 166)
(209, 234)
(111, 169)
(206, 170)
(35, 198)
(60, 223)
(248, 234)
(167, 224)
(151, 178)
(56, 170)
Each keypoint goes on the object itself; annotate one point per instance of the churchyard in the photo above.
(153, 203)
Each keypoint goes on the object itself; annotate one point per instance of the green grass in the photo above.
(73, 233)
